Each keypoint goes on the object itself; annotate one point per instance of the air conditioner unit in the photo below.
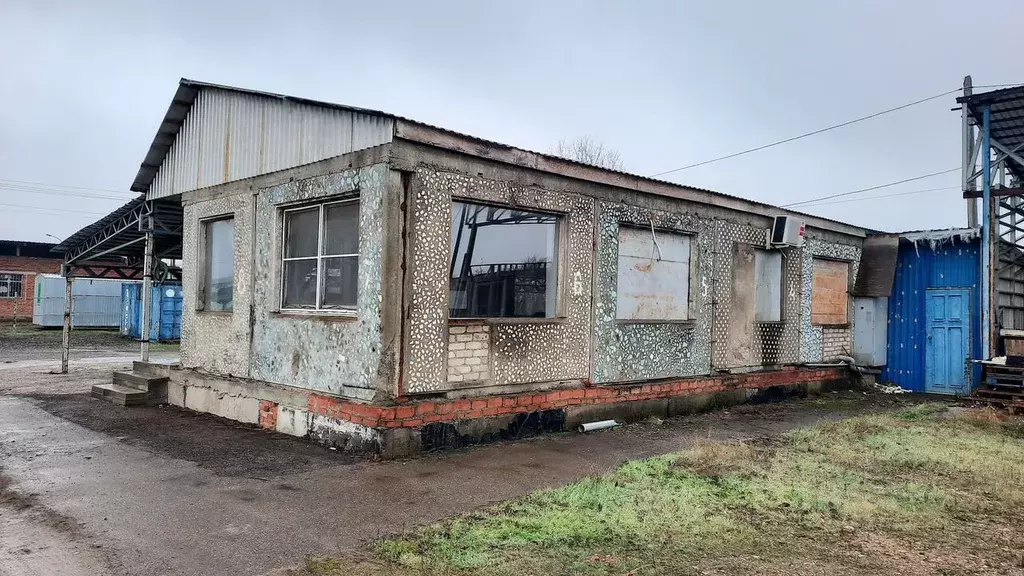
(787, 231)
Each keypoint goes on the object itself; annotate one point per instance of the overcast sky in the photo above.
(667, 83)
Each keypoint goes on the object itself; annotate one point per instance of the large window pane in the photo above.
(768, 286)
(503, 262)
(301, 228)
(300, 283)
(219, 283)
(339, 282)
(341, 228)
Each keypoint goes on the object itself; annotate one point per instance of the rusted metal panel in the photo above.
(654, 275)
(229, 135)
(767, 285)
(877, 265)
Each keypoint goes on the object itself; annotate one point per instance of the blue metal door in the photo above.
(947, 325)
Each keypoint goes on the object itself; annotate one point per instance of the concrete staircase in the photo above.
(145, 384)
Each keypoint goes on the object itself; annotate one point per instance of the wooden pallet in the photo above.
(1002, 387)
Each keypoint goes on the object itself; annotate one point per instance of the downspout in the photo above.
(986, 233)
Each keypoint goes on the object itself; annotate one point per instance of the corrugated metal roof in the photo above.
(953, 264)
(1006, 118)
(188, 91)
(92, 229)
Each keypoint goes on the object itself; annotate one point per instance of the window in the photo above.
(504, 262)
(219, 274)
(11, 285)
(830, 287)
(321, 257)
(767, 286)
(654, 275)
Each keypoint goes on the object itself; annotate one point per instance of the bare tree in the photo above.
(587, 150)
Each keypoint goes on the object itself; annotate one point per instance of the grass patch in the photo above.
(867, 495)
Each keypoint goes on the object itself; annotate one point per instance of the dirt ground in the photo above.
(157, 490)
(28, 342)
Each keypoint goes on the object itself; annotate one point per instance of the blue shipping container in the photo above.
(165, 311)
(921, 267)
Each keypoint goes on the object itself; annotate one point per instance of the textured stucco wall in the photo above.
(642, 350)
(521, 352)
(811, 335)
(326, 353)
(217, 342)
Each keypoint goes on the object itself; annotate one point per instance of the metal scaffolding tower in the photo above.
(993, 136)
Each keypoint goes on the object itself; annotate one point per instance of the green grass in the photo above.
(829, 496)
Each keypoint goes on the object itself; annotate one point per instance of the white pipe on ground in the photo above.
(599, 425)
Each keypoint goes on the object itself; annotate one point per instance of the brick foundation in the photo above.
(408, 426)
(417, 414)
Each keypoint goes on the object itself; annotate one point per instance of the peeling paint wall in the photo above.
(217, 342)
(352, 355)
(321, 352)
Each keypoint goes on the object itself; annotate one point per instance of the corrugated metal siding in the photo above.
(229, 136)
(949, 266)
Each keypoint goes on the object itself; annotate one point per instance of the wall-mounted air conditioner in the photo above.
(786, 231)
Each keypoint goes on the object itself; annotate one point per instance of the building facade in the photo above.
(379, 283)
(19, 264)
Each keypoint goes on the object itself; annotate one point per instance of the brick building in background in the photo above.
(19, 264)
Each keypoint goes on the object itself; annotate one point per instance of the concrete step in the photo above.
(152, 368)
(121, 395)
(139, 381)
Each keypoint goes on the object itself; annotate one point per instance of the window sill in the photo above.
(769, 322)
(629, 321)
(215, 312)
(498, 321)
(317, 315)
(845, 325)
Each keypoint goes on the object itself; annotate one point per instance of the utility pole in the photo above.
(967, 165)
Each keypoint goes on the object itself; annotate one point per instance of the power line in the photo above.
(870, 188)
(41, 208)
(811, 133)
(30, 190)
(883, 196)
(58, 186)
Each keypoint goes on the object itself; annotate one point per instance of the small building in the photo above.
(379, 283)
(20, 262)
(934, 324)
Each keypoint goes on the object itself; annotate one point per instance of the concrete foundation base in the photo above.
(404, 429)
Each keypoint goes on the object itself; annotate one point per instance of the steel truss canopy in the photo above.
(114, 246)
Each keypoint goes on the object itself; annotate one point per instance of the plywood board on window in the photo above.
(830, 299)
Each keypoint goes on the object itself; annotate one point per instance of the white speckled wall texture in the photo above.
(521, 352)
(646, 350)
(811, 336)
(217, 342)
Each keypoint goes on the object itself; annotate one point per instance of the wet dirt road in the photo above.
(160, 491)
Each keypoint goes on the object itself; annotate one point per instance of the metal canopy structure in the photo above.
(114, 246)
(993, 135)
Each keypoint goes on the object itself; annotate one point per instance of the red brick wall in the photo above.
(412, 415)
(29, 267)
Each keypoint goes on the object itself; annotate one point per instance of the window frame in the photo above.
(849, 297)
(204, 280)
(560, 260)
(21, 284)
(693, 267)
(782, 285)
(317, 310)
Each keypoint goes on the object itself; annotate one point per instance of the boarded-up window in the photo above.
(830, 292)
(768, 285)
(654, 275)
